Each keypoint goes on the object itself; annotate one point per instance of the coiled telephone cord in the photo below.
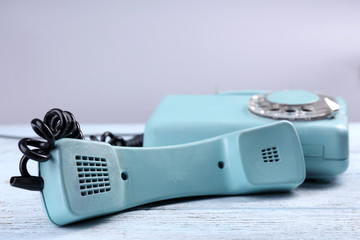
(57, 124)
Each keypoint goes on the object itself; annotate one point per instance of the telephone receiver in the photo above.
(85, 179)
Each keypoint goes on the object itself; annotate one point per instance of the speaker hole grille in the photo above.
(93, 175)
(270, 155)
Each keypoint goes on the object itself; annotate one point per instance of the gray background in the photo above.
(113, 61)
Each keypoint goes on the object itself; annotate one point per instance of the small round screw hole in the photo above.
(290, 110)
(306, 110)
(221, 165)
(124, 176)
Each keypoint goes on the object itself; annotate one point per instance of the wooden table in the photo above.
(313, 211)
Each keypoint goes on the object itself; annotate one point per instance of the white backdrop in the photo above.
(113, 61)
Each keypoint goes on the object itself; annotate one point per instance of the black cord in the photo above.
(57, 124)
(136, 141)
(5, 136)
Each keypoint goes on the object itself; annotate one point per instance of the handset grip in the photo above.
(155, 174)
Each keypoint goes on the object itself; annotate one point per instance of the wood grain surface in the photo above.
(313, 211)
